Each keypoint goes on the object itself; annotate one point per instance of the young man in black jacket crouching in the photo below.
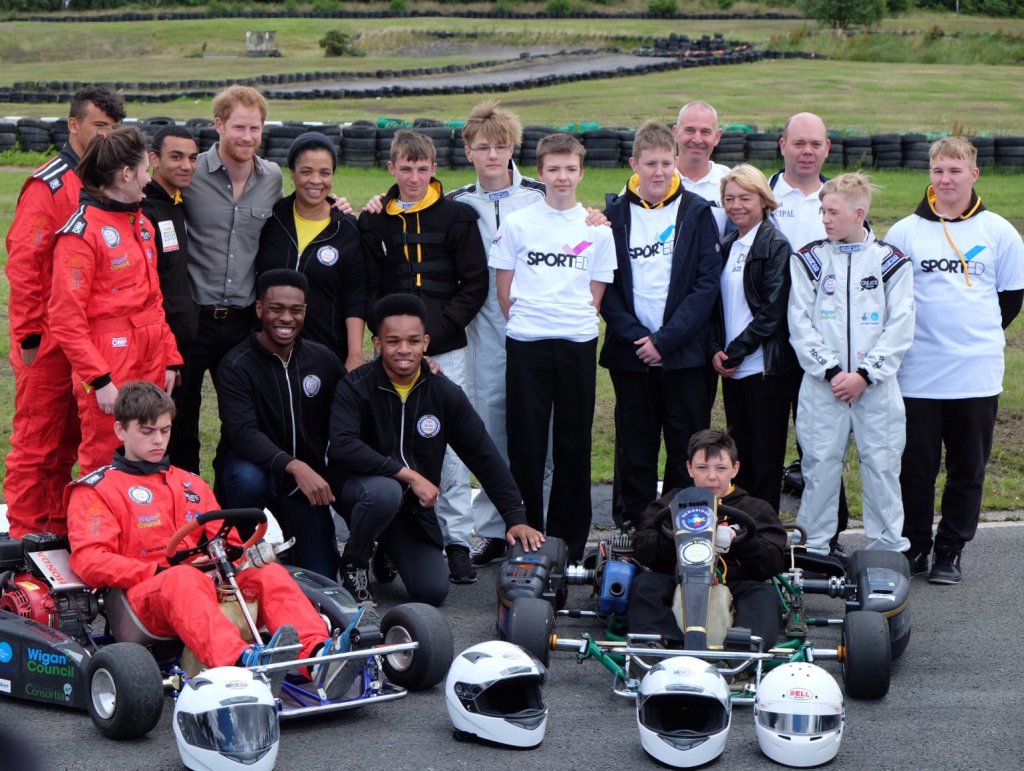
(391, 422)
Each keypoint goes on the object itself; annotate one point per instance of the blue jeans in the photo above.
(243, 485)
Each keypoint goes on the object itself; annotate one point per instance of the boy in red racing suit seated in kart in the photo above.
(120, 519)
(713, 464)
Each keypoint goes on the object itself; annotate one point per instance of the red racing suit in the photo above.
(120, 520)
(45, 431)
(106, 311)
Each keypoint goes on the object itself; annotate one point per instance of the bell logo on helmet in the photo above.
(801, 694)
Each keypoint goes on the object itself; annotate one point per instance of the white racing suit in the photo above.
(851, 309)
(485, 335)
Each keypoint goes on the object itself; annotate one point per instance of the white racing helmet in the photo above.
(799, 715)
(683, 711)
(225, 718)
(493, 692)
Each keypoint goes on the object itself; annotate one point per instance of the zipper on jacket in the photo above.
(497, 214)
(291, 405)
(849, 312)
(401, 425)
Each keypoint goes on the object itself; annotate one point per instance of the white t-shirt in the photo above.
(957, 351)
(734, 303)
(709, 187)
(555, 256)
(798, 215)
(652, 234)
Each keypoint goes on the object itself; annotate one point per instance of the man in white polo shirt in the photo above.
(697, 135)
(552, 270)
(968, 286)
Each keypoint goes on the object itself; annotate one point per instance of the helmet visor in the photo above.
(799, 725)
(242, 732)
(684, 715)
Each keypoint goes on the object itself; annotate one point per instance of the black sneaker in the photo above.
(487, 550)
(839, 554)
(945, 568)
(918, 561)
(383, 568)
(355, 582)
(460, 569)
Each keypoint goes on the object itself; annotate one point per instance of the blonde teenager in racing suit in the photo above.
(851, 320)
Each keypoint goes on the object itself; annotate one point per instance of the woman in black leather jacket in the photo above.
(750, 340)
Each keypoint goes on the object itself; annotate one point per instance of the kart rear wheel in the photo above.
(126, 693)
(426, 666)
(531, 622)
(867, 659)
(877, 558)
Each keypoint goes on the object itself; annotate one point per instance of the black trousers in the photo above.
(375, 510)
(649, 405)
(755, 603)
(757, 415)
(541, 377)
(964, 427)
(214, 339)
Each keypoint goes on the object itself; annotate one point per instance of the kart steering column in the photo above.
(218, 554)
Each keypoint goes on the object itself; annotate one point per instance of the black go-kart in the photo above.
(64, 643)
(533, 589)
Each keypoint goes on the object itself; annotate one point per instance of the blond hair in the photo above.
(653, 136)
(854, 186)
(958, 148)
(238, 96)
(751, 179)
(490, 120)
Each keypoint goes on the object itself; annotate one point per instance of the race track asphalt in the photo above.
(955, 702)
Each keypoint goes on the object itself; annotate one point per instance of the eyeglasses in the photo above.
(486, 149)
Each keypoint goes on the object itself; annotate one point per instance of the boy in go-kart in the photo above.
(120, 519)
(713, 464)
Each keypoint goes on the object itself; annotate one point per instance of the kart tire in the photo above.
(126, 693)
(877, 558)
(426, 666)
(531, 622)
(867, 659)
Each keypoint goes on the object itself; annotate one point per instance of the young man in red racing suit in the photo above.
(45, 428)
(713, 465)
(121, 517)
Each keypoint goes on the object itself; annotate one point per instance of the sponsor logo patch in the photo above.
(311, 385)
(828, 314)
(140, 494)
(327, 255)
(828, 284)
(119, 342)
(868, 283)
(119, 263)
(110, 235)
(849, 248)
(6, 652)
(428, 426)
(498, 196)
(192, 496)
(694, 520)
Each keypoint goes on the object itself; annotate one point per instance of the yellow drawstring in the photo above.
(967, 268)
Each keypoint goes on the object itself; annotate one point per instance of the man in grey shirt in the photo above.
(230, 198)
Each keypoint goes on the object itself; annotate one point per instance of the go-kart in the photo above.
(50, 652)
(532, 591)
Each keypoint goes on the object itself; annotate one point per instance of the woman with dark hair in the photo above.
(750, 339)
(308, 235)
(106, 308)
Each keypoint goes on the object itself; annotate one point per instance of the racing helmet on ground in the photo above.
(684, 712)
(493, 692)
(799, 715)
(225, 718)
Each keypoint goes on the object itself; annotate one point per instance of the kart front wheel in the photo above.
(126, 694)
(531, 622)
(426, 666)
(867, 655)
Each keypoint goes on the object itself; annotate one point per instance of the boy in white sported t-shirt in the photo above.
(968, 284)
(851, 320)
(552, 269)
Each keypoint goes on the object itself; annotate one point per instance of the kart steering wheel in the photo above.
(747, 529)
(232, 519)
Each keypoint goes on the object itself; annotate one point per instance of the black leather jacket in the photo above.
(766, 283)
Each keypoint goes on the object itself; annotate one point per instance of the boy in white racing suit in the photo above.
(851, 320)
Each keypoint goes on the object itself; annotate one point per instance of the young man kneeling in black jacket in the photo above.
(713, 464)
(391, 421)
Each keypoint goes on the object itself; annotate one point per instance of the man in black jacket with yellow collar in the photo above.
(391, 423)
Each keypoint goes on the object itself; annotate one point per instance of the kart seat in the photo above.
(124, 625)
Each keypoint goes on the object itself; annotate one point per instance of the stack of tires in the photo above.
(206, 136)
(857, 152)
(532, 134)
(887, 150)
(915, 151)
(59, 132)
(836, 151)
(384, 137)
(459, 159)
(603, 146)
(762, 146)
(359, 144)
(440, 135)
(8, 136)
(731, 148)
(986, 147)
(626, 137)
(34, 135)
(1009, 152)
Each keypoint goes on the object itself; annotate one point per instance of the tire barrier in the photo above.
(365, 144)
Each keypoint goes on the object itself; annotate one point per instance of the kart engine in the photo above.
(69, 611)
